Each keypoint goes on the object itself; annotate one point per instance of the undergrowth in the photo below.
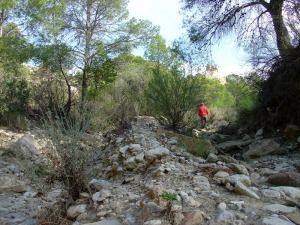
(197, 147)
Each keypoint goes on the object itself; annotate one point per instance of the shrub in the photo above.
(55, 215)
(14, 101)
(119, 104)
(197, 147)
(172, 95)
(74, 149)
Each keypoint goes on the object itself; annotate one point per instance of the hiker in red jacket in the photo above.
(203, 113)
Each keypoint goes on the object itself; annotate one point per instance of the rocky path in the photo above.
(137, 167)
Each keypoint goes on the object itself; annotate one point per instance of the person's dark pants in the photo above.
(203, 121)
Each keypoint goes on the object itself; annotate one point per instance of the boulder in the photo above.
(12, 184)
(274, 220)
(291, 192)
(295, 217)
(259, 133)
(219, 138)
(241, 169)
(271, 193)
(285, 179)
(26, 147)
(211, 158)
(291, 131)
(202, 183)
(233, 179)
(75, 210)
(278, 209)
(221, 174)
(227, 159)
(233, 145)
(134, 148)
(188, 201)
(241, 189)
(260, 148)
(177, 218)
(156, 153)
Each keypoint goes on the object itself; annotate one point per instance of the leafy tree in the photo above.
(213, 93)
(103, 74)
(14, 100)
(96, 30)
(172, 95)
(14, 48)
(57, 58)
(158, 52)
(98, 27)
(254, 21)
(6, 7)
(244, 93)
(42, 19)
(17, 96)
(123, 99)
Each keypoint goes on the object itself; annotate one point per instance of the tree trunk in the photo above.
(87, 53)
(67, 106)
(1, 22)
(87, 62)
(282, 35)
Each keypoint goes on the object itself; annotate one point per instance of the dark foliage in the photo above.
(280, 95)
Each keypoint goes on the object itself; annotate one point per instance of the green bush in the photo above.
(244, 90)
(197, 147)
(73, 151)
(119, 102)
(172, 95)
(14, 101)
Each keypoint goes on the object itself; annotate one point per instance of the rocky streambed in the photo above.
(146, 176)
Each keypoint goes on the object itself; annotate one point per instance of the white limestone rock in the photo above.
(26, 147)
(242, 189)
(75, 210)
(130, 163)
(153, 222)
(155, 153)
(188, 201)
(202, 183)
(12, 184)
(233, 179)
(274, 220)
(277, 208)
(241, 169)
(100, 184)
(291, 192)
(271, 193)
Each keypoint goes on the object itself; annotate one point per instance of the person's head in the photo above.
(202, 103)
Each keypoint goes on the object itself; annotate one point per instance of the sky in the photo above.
(165, 13)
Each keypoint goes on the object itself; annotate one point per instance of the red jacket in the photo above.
(203, 111)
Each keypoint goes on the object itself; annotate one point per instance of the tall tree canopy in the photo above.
(256, 22)
(6, 7)
(92, 28)
(101, 28)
